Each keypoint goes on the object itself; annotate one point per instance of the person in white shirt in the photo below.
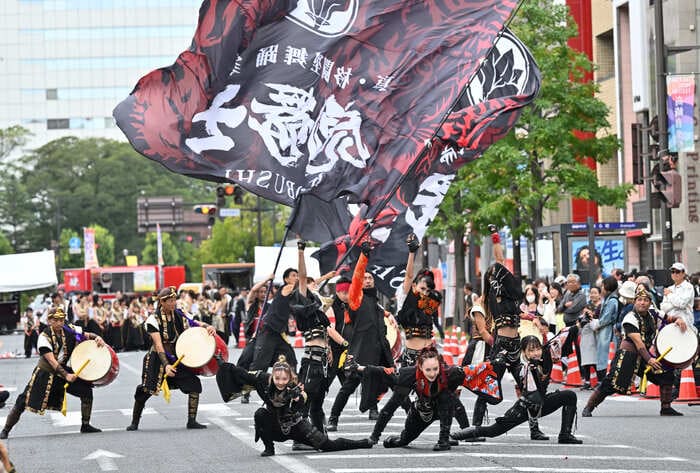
(678, 299)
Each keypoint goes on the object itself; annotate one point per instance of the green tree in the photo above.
(66, 259)
(5, 246)
(12, 138)
(539, 164)
(15, 206)
(171, 254)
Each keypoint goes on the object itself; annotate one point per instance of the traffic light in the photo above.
(667, 182)
(208, 210)
(228, 190)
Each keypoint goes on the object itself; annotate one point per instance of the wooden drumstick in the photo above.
(164, 386)
(64, 405)
(643, 384)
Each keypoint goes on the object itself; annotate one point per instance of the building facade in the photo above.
(65, 64)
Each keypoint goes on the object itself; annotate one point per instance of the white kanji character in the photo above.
(425, 205)
(317, 63)
(295, 56)
(448, 155)
(266, 56)
(237, 66)
(287, 122)
(231, 117)
(327, 69)
(342, 76)
(336, 135)
(383, 83)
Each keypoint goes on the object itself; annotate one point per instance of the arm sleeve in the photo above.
(579, 302)
(355, 292)
(608, 314)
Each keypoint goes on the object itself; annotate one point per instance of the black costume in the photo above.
(478, 350)
(434, 400)
(628, 362)
(315, 364)
(532, 379)
(45, 388)
(282, 417)
(368, 345)
(416, 316)
(153, 371)
(341, 310)
(270, 340)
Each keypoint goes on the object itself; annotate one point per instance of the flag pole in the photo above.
(288, 226)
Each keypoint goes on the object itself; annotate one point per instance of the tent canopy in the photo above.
(27, 271)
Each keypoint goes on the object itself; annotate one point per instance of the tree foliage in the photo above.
(171, 254)
(539, 164)
(5, 246)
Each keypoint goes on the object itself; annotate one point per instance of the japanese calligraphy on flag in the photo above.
(486, 111)
(328, 98)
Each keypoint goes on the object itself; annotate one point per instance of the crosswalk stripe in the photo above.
(421, 469)
(406, 454)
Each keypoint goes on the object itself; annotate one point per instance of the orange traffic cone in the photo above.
(557, 375)
(594, 378)
(687, 391)
(455, 342)
(573, 375)
(447, 356)
(611, 354)
(298, 340)
(241, 337)
(653, 391)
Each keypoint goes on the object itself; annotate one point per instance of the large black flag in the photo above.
(335, 100)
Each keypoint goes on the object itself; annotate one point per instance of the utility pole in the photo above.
(259, 211)
(660, 66)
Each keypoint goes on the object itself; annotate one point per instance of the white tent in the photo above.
(265, 257)
(27, 271)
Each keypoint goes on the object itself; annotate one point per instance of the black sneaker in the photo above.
(193, 424)
(246, 400)
(669, 411)
(3, 434)
(332, 424)
(88, 429)
(268, 452)
(373, 414)
(586, 412)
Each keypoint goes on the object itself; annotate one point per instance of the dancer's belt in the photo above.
(419, 332)
(507, 320)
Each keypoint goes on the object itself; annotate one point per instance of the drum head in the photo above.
(685, 344)
(100, 360)
(197, 346)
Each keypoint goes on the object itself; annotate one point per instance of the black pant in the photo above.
(268, 429)
(268, 346)
(518, 414)
(312, 376)
(415, 424)
(29, 343)
(349, 386)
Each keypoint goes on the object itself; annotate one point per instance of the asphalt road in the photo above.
(625, 435)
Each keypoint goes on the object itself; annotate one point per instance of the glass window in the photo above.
(138, 62)
(51, 94)
(57, 124)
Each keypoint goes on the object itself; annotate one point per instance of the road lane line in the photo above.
(287, 462)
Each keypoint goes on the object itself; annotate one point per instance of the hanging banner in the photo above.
(90, 248)
(680, 105)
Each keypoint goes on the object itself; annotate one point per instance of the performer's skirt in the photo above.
(626, 365)
(45, 391)
(153, 372)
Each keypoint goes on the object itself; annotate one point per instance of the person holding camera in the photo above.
(589, 341)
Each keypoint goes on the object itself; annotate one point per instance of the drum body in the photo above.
(684, 346)
(198, 349)
(394, 338)
(103, 366)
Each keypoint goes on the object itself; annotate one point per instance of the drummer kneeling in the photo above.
(639, 328)
(45, 389)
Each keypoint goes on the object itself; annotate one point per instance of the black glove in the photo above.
(412, 242)
(351, 366)
(366, 248)
(301, 245)
(294, 392)
(492, 228)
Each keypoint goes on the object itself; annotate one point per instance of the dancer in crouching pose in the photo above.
(534, 401)
(282, 417)
(434, 383)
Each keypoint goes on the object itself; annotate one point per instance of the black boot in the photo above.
(443, 442)
(379, 426)
(479, 412)
(472, 434)
(568, 414)
(136, 415)
(332, 424)
(269, 449)
(192, 406)
(593, 401)
(86, 412)
(666, 397)
(393, 441)
(345, 444)
(461, 415)
(245, 399)
(535, 432)
(373, 413)
(12, 419)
